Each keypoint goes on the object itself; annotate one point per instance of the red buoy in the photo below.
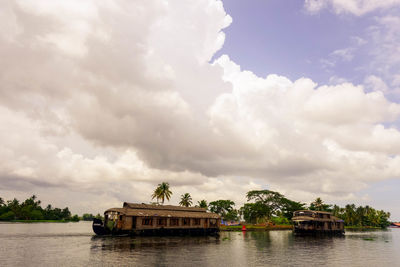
(244, 228)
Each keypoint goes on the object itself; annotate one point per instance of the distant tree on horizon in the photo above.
(162, 192)
(186, 200)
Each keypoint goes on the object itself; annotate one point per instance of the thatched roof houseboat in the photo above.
(136, 219)
(311, 221)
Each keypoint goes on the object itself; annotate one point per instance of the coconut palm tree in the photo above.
(186, 200)
(162, 192)
(202, 204)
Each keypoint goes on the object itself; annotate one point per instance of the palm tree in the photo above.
(186, 200)
(162, 192)
(202, 204)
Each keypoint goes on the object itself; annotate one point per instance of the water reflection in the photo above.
(75, 245)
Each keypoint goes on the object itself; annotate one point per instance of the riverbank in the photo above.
(256, 227)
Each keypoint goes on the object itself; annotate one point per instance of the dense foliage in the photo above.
(90, 217)
(225, 208)
(31, 209)
(362, 216)
(268, 206)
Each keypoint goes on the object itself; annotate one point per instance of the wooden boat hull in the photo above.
(98, 227)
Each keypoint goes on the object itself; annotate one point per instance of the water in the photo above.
(73, 244)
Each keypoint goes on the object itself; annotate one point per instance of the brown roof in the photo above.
(162, 207)
(164, 213)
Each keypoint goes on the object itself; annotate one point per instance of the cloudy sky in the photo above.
(102, 100)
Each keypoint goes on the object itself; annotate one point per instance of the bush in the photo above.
(7, 216)
(37, 215)
(75, 218)
(280, 220)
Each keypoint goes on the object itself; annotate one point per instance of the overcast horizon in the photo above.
(100, 101)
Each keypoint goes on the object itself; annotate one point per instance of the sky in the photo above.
(100, 101)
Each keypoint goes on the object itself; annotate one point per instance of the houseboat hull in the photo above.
(102, 231)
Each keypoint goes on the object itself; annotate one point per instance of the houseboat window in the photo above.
(147, 221)
(213, 222)
(186, 221)
(162, 221)
(196, 221)
(174, 222)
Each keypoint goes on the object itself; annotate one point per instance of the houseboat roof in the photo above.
(147, 210)
(314, 211)
(310, 215)
(161, 207)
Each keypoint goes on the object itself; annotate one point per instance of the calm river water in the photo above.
(73, 244)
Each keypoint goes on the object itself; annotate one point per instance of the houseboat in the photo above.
(146, 219)
(315, 222)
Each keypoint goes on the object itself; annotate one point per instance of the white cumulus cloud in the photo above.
(104, 100)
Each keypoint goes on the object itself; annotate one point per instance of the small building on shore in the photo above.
(311, 221)
(142, 219)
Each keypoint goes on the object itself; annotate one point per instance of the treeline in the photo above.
(31, 209)
(265, 206)
(361, 216)
(90, 217)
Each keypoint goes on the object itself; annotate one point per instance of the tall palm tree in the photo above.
(186, 200)
(162, 192)
(202, 204)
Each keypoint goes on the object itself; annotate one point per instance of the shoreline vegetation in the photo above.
(31, 211)
(274, 211)
(264, 210)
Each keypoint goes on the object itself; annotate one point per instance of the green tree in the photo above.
(162, 192)
(288, 207)
(75, 218)
(186, 200)
(255, 212)
(87, 217)
(202, 204)
(9, 215)
(36, 215)
(319, 205)
(232, 215)
(1, 202)
(273, 200)
(222, 207)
